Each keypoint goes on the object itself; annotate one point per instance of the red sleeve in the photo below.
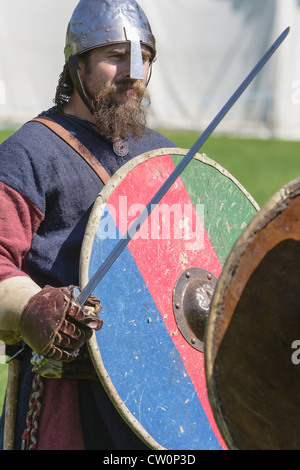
(19, 220)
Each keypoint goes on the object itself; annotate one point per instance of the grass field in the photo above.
(261, 166)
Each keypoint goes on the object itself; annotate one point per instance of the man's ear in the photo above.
(80, 67)
(77, 70)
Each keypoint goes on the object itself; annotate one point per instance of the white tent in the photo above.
(205, 50)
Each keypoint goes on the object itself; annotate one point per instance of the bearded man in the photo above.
(46, 194)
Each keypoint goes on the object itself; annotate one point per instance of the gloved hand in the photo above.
(55, 326)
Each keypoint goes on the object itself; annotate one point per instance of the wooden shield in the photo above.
(253, 332)
(147, 355)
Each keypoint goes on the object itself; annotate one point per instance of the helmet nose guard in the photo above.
(97, 23)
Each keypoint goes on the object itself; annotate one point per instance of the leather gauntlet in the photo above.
(55, 326)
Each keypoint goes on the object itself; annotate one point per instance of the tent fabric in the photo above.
(205, 50)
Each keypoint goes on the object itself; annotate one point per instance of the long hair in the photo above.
(64, 88)
(65, 84)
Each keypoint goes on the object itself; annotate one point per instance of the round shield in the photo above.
(156, 296)
(252, 346)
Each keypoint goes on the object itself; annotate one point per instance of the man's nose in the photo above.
(125, 67)
(133, 67)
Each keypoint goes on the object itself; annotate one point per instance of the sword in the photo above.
(82, 296)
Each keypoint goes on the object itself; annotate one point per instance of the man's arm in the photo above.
(48, 319)
(19, 220)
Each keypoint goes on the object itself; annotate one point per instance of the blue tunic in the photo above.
(43, 168)
(62, 187)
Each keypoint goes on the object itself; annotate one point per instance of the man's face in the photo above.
(118, 100)
(110, 66)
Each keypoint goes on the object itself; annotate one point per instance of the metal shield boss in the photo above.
(252, 348)
(156, 297)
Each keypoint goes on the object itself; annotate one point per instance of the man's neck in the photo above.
(77, 108)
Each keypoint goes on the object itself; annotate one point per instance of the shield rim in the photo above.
(86, 250)
(264, 216)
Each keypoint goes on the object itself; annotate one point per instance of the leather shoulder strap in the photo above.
(76, 145)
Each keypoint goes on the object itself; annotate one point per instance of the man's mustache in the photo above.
(126, 84)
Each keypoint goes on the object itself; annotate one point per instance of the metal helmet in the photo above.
(96, 23)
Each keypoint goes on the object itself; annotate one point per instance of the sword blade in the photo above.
(121, 245)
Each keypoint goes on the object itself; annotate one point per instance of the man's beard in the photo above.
(116, 118)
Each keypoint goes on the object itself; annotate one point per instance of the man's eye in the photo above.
(118, 56)
(146, 58)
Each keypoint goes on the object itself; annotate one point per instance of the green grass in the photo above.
(3, 380)
(4, 134)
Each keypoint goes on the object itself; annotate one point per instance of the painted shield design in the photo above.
(149, 353)
(252, 348)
